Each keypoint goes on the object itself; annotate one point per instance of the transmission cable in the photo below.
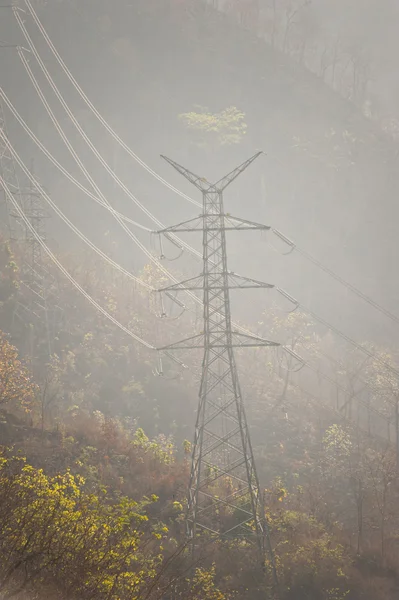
(65, 219)
(55, 89)
(339, 333)
(65, 272)
(96, 112)
(90, 179)
(180, 243)
(55, 162)
(305, 254)
(350, 374)
(335, 276)
(116, 265)
(86, 173)
(71, 178)
(316, 401)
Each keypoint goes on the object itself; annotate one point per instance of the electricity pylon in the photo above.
(35, 277)
(9, 174)
(37, 283)
(224, 497)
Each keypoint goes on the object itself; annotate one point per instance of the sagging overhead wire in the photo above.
(58, 165)
(195, 298)
(55, 162)
(339, 333)
(301, 362)
(94, 185)
(61, 132)
(88, 141)
(135, 157)
(70, 177)
(116, 137)
(339, 414)
(171, 237)
(53, 258)
(331, 273)
(293, 246)
(67, 109)
(355, 375)
(115, 265)
(65, 219)
(96, 112)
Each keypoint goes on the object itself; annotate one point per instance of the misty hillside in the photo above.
(154, 446)
(328, 181)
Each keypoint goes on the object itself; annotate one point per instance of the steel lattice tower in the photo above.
(9, 174)
(35, 277)
(224, 497)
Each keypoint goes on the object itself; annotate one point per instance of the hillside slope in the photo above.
(329, 179)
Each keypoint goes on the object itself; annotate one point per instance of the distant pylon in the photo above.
(36, 282)
(9, 174)
(224, 497)
(35, 277)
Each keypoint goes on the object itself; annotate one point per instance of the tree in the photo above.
(382, 470)
(213, 130)
(17, 389)
(8, 279)
(53, 533)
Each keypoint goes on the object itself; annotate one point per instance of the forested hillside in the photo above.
(329, 179)
(96, 427)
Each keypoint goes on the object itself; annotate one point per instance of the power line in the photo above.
(73, 180)
(84, 170)
(97, 113)
(335, 276)
(192, 295)
(64, 67)
(335, 330)
(121, 269)
(90, 179)
(86, 173)
(65, 272)
(70, 148)
(8, 171)
(82, 132)
(151, 216)
(69, 223)
(58, 165)
(88, 141)
(59, 59)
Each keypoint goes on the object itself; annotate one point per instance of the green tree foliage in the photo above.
(17, 389)
(101, 413)
(54, 533)
(9, 272)
(216, 129)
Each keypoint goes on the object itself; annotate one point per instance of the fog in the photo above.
(329, 178)
(87, 392)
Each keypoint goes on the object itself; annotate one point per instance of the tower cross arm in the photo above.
(222, 183)
(236, 223)
(235, 282)
(194, 283)
(231, 223)
(203, 184)
(195, 224)
(244, 340)
(200, 182)
(238, 340)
